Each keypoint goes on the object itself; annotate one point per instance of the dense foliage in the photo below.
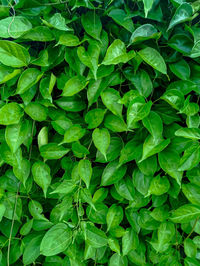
(99, 132)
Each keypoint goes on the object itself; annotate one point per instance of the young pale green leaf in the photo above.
(92, 24)
(74, 86)
(14, 27)
(153, 58)
(56, 240)
(66, 187)
(113, 173)
(13, 54)
(57, 21)
(11, 114)
(74, 133)
(43, 137)
(116, 54)
(185, 213)
(101, 139)
(110, 98)
(182, 14)
(147, 6)
(114, 216)
(27, 79)
(7, 73)
(53, 151)
(41, 175)
(169, 161)
(85, 171)
(94, 117)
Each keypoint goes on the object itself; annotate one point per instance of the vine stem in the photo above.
(15, 206)
(192, 228)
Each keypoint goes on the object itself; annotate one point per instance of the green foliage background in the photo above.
(99, 132)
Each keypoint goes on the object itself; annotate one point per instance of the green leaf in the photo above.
(15, 135)
(41, 175)
(32, 250)
(125, 188)
(181, 69)
(112, 173)
(169, 161)
(191, 157)
(14, 27)
(74, 85)
(68, 40)
(131, 151)
(110, 98)
(43, 137)
(147, 6)
(85, 171)
(137, 110)
(114, 216)
(92, 24)
(94, 117)
(190, 133)
(57, 22)
(185, 213)
(40, 34)
(153, 124)
(36, 111)
(90, 57)
(56, 240)
(140, 80)
(153, 58)
(53, 151)
(192, 193)
(74, 133)
(115, 123)
(27, 79)
(116, 54)
(182, 14)
(94, 236)
(10, 114)
(121, 18)
(129, 241)
(143, 33)
(159, 185)
(190, 248)
(101, 139)
(13, 54)
(174, 97)
(152, 146)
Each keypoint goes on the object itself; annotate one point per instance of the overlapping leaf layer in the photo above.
(99, 132)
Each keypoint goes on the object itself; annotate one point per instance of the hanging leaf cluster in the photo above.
(99, 132)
